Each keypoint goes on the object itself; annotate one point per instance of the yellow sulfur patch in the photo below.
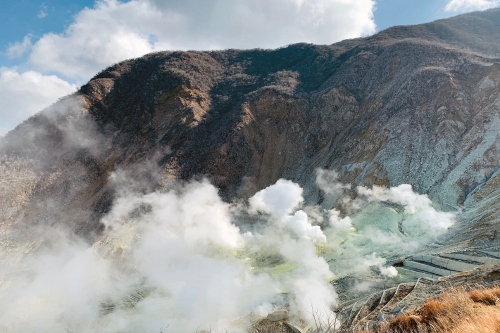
(283, 268)
(323, 249)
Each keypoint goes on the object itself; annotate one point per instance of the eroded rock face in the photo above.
(417, 105)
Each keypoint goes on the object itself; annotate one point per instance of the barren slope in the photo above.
(417, 105)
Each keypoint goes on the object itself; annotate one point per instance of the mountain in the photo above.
(416, 105)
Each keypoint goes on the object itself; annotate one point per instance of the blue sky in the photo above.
(50, 47)
(389, 13)
(19, 18)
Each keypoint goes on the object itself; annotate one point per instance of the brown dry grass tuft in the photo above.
(455, 311)
(486, 296)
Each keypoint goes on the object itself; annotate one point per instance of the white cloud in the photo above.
(98, 37)
(42, 13)
(470, 5)
(24, 94)
(113, 31)
(18, 49)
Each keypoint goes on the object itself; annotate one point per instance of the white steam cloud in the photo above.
(470, 5)
(378, 223)
(182, 258)
(279, 200)
(423, 218)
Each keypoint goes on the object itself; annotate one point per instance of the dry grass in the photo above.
(486, 296)
(455, 311)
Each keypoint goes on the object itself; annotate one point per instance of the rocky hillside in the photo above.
(417, 104)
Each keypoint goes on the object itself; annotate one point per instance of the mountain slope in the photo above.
(417, 105)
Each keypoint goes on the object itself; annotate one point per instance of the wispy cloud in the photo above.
(42, 13)
(471, 5)
(18, 49)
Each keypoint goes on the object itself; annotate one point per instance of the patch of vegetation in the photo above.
(457, 310)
